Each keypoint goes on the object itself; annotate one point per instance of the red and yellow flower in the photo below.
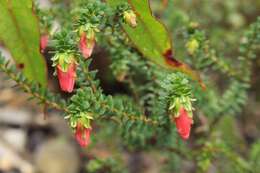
(181, 112)
(66, 70)
(183, 123)
(82, 134)
(87, 43)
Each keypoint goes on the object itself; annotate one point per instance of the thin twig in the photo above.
(26, 87)
(114, 110)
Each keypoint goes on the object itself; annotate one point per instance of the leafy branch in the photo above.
(107, 103)
(35, 90)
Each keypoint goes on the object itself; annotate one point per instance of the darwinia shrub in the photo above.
(161, 106)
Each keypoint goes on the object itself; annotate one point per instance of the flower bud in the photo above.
(82, 135)
(192, 46)
(192, 27)
(44, 42)
(67, 77)
(87, 43)
(130, 18)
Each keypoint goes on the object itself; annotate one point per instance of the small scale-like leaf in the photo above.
(19, 32)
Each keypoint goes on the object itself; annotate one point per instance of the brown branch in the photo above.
(26, 87)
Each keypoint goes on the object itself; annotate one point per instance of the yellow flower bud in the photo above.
(130, 18)
(192, 46)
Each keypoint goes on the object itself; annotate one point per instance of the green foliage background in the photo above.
(219, 39)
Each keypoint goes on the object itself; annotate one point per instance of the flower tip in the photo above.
(83, 144)
(68, 90)
(185, 136)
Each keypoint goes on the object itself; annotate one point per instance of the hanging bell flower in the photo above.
(66, 71)
(81, 123)
(87, 43)
(181, 112)
(44, 42)
(183, 123)
(67, 78)
(82, 134)
(130, 18)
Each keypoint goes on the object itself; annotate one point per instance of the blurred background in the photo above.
(34, 141)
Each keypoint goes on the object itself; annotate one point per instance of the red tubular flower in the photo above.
(44, 42)
(86, 45)
(67, 78)
(183, 123)
(82, 135)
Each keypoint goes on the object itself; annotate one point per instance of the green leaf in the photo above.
(151, 37)
(227, 128)
(19, 32)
